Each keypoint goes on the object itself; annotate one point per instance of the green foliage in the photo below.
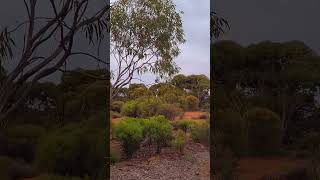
(74, 149)
(170, 111)
(159, 130)
(155, 26)
(179, 141)
(12, 169)
(185, 125)
(117, 106)
(234, 129)
(148, 106)
(21, 141)
(130, 133)
(264, 131)
(130, 109)
(191, 103)
(200, 132)
(138, 90)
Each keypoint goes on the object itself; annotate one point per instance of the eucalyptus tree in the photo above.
(145, 37)
(218, 25)
(67, 20)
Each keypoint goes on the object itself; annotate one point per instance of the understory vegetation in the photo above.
(60, 132)
(153, 116)
(265, 104)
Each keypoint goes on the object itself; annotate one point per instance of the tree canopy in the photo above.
(145, 37)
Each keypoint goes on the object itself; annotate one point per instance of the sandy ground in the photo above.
(193, 165)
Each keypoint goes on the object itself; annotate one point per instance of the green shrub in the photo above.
(264, 131)
(130, 133)
(117, 106)
(21, 141)
(200, 132)
(130, 109)
(170, 111)
(11, 169)
(148, 107)
(75, 150)
(234, 130)
(185, 125)
(192, 103)
(159, 130)
(179, 141)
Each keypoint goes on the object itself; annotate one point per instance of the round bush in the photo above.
(159, 130)
(73, 150)
(234, 128)
(130, 133)
(264, 131)
(130, 109)
(170, 111)
(185, 125)
(192, 103)
(148, 107)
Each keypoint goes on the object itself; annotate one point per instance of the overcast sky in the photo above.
(276, 20)
(195, 53)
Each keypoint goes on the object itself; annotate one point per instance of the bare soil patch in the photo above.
(169, 165)
(256, 168)
(195, 115)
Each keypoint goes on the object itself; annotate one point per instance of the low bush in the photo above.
(170, 111)
(192, 103)
(148, 107)
(74, 149)
(234, 129)
(130, 133)
(185, 125)
(200, 132)
(264, 131)
(21, 141)
(159, 130)
(130, 109)
(179, 141)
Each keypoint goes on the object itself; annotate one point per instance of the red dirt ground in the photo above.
(194, 115)
(256, 168)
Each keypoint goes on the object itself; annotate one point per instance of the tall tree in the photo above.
(145, 37)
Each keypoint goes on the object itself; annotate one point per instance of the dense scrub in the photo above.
(264, 101)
